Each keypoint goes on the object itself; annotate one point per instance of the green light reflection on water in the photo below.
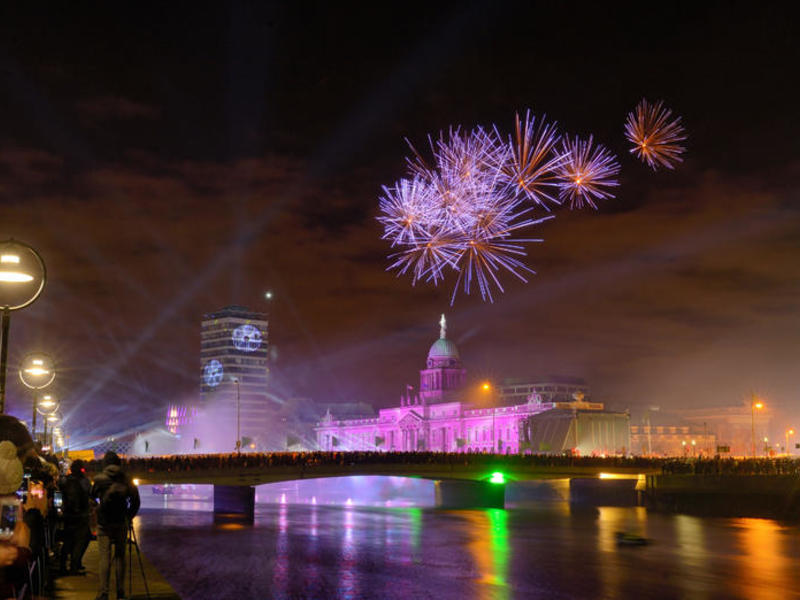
(498, 535)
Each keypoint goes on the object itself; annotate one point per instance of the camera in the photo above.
(22, 492)
(9, 513)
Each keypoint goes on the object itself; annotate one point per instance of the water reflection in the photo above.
(766, 561)
(351, 552)
(348, 559)
(489, 548)
(692, 553)
(280, 569)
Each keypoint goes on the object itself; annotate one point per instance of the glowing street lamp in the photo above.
(788, 433)
(22, 279)
(755, 403)
(486, 388)
(37, 371)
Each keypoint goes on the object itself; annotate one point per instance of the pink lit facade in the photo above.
(434, 418)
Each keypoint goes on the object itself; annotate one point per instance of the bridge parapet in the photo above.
(258, 474)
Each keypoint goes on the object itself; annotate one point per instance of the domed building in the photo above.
(438, 416)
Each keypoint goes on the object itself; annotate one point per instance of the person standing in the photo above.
(118, 503)
(75, 489)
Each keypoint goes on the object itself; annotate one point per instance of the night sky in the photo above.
(169, 160)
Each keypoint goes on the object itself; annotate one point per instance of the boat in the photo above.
(630, 539)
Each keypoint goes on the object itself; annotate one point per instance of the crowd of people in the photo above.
(732, 466)
(50, 513)
(310, 460)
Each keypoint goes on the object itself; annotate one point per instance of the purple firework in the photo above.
(491, 246)
(405, 209)
(427, 258)
(587, 174)
(534, 161)
(463, 208)
(656, 139)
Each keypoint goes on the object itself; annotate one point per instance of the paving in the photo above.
(84, 587)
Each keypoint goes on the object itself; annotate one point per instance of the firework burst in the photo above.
(463, 207)
(491, 247)
(534, 161)
(656, 139)
(405, 209)
(587, 174)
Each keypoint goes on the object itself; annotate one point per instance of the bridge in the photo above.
(461, 480)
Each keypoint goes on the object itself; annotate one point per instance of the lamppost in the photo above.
(48, 408)
(694, 445)
(37, 371)
(238, 436)
(22, 279)
(52, 419)
(754, 404)
(486, 387)
(788, 433)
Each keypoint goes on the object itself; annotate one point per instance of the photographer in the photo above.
(119, 503)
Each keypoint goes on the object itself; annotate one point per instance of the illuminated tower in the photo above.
(444, 373)
(233, 354)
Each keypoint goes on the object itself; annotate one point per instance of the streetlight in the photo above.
(694, 444)
(52, 419)
(788, 433)
(486, 387)
(37, 371)
(754, 404)
(22, 279)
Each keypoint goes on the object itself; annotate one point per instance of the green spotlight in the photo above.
(497, 477)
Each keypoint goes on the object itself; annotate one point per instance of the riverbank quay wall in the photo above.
(725, 495)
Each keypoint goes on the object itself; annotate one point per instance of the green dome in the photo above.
(443, 348)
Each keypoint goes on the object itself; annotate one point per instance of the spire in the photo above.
(443, 329)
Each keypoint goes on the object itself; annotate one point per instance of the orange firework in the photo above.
(656, 139)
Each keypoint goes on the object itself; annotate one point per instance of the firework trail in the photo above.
(656, 139)
(534, 160)
(587, 174)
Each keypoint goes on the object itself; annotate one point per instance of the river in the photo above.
(543, 549)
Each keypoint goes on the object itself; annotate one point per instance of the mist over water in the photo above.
(351, 546)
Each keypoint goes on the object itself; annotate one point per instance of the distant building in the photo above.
(550, 388)
(735, 427)
(441, 415)
(672, 440)
(234, 362)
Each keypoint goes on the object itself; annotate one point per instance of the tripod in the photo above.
(133, 543)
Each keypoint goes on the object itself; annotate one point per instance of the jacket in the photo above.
(114, 474)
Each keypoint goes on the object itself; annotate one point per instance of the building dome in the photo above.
(443, 348)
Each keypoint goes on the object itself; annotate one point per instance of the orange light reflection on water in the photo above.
(490, 551)
(764, 565)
